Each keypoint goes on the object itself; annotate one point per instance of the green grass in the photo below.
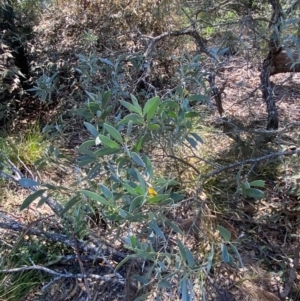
(29, 145)
(15, 286)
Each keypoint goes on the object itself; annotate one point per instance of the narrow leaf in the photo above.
(174, 227)
(70, 204)
(108, 194)
(191, 141)
(254, 193)
(257, 183)
(108, 142)
(233, 247)
(151, 107)
(130, 107)
(134, 118)
(136, 104)
(106, 151)
(28, 183)
(105, 98)
(96, 197)
(137, 159)
(189, 257)
(137, 202)
(181, 249)
(91, 129)
(140, 279)
(224, 233)
(113, 132)
(153, 225)
(225, 255)
(184, 290)
(32, 197)
(149, 166)
(197, 137)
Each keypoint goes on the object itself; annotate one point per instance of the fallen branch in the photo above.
(109, 277)
(253, 161)
(84, 246)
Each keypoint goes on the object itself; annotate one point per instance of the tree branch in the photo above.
(253, 161)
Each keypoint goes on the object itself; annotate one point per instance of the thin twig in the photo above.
(252, 161)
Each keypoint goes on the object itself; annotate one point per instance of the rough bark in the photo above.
(274, 49)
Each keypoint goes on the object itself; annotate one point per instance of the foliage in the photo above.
(137, 107)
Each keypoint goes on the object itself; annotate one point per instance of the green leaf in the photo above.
(32, 197)
(257, 183)
(87, 152)
(108, 142)
(96, 197)
(138, 146)
(149, 166)
(136, 104)
(153, 127)
(254, 193)
(85, 160)
(134, 118)
(164, 284)
(70, 204)
(129, 128)
(224, 233)
(151, 107)
(197, 137)
(108, 194)
(184, 290)
(106, 151)
(141, 180)
(225, 255)
(181, 249)
(113, 132)
(130, 107)
(130, 189)
(197, 97)
(106, 61)
(237, 254)
(137, 159)
(86, 144)
(174, 227)
(158, 198)
(137, 202)
(42, 201)
(91, 129)
(140, 279)
(105, 98)
(28, 183)
(189, 257)
(153, 225)
(191, 114)
(177, 197)
(245, 185)
(191, 141)
(170, 104)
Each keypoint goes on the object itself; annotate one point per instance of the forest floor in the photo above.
(265, 231)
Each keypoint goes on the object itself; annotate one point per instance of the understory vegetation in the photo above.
(149, 150)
